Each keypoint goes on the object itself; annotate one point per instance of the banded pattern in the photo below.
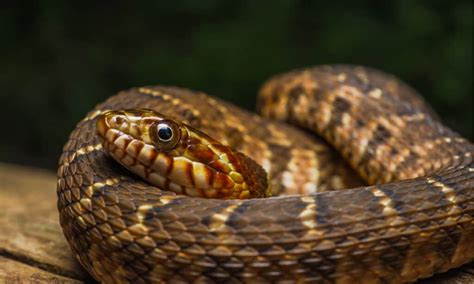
(417, 219)
(189, 162)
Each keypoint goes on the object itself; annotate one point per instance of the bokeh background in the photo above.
(58, 58)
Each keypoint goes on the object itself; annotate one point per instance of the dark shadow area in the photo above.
(60, 58)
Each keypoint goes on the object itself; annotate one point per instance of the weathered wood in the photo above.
(31, 240)
(33, 248)
(12, 271)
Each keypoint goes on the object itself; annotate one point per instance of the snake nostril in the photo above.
(116, 120)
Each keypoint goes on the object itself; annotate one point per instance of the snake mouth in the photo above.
(195, 165)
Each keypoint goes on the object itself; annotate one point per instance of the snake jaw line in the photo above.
(189, 162)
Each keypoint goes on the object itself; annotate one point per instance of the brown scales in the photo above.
(124, 230)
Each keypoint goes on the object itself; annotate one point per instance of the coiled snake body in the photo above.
(416, 218)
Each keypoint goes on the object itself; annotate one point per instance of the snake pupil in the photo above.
(165, 133)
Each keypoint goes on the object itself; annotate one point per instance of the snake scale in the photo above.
(409, 215)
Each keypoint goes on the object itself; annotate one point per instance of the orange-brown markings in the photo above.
(382, 138)
(324, 114)
(385, 201)
(278, 136)
(450, 195)
(220, 166)
(135, 130)
(227, 174)
(123, 150)
(423, 149)
(310, 212)
(163, 164)
(367, 134)
(219, 148)
(202, 175)
(228, 163)
(112, 148)
(116, 145)
(81, 151)
(308, 215)
(193, 139)
(260, 152)
(134, 148)
(122, 142)
(232, 160)
(223, 181)
(201, 153)
(301, 175)
(179, 105)
(217, 169)
(101, 126)
(181, 172)
(117, 122)
(236, 177)
(111, 135)
(301, 105)
(276, 106)
(219, 219)
(147, 156)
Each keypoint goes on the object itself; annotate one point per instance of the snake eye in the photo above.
(165, 134)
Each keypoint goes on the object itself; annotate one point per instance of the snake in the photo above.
(346, 175)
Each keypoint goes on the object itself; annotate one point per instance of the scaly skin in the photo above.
(189, 162)
(417, 220)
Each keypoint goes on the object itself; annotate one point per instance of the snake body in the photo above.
(415, 217)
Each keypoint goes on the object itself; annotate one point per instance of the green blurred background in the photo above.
(59, 59)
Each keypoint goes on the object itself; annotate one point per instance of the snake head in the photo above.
(176, 157)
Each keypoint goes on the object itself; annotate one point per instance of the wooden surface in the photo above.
(33, 248)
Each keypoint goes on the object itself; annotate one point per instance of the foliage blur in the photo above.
(60, 58)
